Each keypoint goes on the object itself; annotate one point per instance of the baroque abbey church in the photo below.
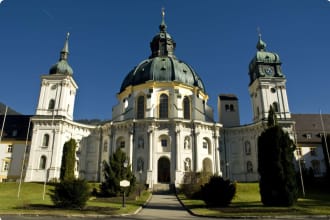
(162, 120)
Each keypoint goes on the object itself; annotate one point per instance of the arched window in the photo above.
(186, 108)
(120, 143)
(45, 141)
(140, 107)
(275, 107)
(164, 143)
(42, 162)
(51, 104)
(207, 145)
(163, 106)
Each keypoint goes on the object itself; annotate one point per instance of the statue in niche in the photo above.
(141, 143)
(140, 164)
(186, 143)
(187, 165)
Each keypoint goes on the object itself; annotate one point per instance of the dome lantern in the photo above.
(162, 44)
(162, 65)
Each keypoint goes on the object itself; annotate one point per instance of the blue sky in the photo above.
(217, 38)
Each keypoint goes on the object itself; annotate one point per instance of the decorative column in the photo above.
(197, 162)
(178, 161)
(193, 148)
(150, 147)
(131, 142)
(56, 151)
(216, 152)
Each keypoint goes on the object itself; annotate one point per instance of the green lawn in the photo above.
(247, 203)
(31, 201)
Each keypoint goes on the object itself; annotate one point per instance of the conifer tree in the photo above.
(68, 160)
(114, 172)
(277, 184)
(70, 192)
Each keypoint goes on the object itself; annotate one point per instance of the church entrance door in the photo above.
(164, 173)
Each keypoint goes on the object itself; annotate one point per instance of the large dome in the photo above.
(162, 69)
(162, 65)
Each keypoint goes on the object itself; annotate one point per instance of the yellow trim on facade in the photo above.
(13, 142)
(153, 84)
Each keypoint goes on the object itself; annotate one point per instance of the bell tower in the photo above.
(267, 85)
(58, 88)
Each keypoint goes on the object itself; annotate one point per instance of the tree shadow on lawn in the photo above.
(48, 209)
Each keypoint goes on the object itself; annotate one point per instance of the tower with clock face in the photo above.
(58, 88)
(267, 85)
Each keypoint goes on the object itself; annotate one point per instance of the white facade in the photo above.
(269, 91)
(163, 149)
(11, 158)
(162, 121)
(164, 126)
(239, 144)
(53, 123)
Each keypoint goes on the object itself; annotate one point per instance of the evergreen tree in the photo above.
(277, 184)
(218, 192)
(114, 172)
(68, 160)
(73, 193)
(70, 192)
(325, 148)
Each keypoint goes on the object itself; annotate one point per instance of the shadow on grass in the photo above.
(87, 210)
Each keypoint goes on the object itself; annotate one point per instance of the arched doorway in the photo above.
(207, 165)
(164, 173)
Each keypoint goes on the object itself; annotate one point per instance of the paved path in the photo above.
(163, 206)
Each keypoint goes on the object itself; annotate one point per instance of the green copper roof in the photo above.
(264, 63)
(165, 69)
(162, 64)
(264, 56)
(62, 66)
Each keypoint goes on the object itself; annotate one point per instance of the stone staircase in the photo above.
(163, 188)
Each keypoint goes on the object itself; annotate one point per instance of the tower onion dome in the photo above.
(62, 66)
(262, 56)
(162, 64)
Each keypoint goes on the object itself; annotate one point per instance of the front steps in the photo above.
(163, 188)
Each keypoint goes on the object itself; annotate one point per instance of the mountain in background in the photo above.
(10, 111)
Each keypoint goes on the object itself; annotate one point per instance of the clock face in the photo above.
(268, 70)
